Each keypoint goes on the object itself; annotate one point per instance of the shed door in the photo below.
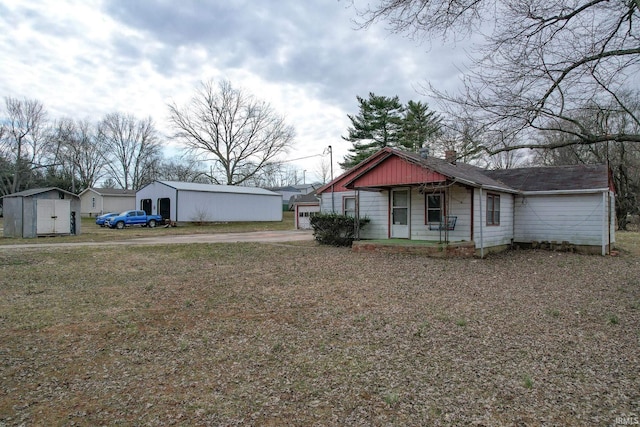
(164, 208)
(400, 214)
(53, 216)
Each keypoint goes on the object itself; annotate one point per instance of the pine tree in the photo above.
(378, 124)
(420, 126)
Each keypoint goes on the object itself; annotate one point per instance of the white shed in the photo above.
(194, 202)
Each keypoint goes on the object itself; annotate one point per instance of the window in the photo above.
(493, 209)
(349, 204)
(434, 208)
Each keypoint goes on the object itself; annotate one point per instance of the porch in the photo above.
(430, 248)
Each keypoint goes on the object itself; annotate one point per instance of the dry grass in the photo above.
(90, 232)
(304, 335)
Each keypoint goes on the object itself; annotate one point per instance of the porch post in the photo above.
(481, 239)
(605, 214)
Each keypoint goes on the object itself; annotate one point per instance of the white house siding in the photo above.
(93, 203)
(492, 235)
(459, 205)
(90, 203)
(579, 219)
(118, 203)
(372, 204)
(375, 206)
(332, 202)
(612, 215)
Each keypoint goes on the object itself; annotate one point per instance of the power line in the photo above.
(300, 158)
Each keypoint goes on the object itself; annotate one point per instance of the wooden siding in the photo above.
(577, 219)
(338, 184)
(396, 172)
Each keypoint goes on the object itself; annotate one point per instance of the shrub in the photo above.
(334, 229)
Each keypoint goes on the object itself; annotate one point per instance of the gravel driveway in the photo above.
(255, 236)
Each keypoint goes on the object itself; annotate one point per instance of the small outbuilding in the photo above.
(98, 201)
(304, 207)
(194, 202)
(41, 212)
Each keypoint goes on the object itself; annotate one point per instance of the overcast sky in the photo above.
(87, 58)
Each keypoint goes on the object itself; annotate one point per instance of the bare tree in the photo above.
(81, 152)
(185, 169)
(623, 158)
(323, 170)
(237, 133)
(538, 62)
(24, 144)
(131, 149)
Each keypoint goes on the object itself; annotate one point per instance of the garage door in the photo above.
(53, 216)
(304, 216)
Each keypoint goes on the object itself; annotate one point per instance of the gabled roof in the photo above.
(440, 170)
(34, 191)
(212, 188)
(306, 198)
(574, 178)
(554, 178)
(106, 192)
(287, 189)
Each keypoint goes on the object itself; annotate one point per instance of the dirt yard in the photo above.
(297, 334)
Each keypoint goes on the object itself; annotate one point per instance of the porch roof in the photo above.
(393, 167)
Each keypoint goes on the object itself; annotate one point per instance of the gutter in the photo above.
(565, 192)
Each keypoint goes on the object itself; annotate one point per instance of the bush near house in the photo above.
(336, 230)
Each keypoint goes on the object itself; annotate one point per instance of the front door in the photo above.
(400, 214)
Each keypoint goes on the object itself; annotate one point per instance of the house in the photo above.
(194, 202)
(291, 192)
(304, 206)
(288, 193)
(417, 197)
(98, 201)
(41, 212)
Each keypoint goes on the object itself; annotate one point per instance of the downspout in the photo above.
(604, 223)
(177, 204)
(481, 227)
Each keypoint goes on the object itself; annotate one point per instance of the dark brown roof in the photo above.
(462, 171)
(554, 178)
(114, 192)
(306, 198)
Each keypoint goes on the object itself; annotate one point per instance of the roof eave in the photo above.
(560, 192)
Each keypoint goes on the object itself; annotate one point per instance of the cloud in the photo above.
(86, 58)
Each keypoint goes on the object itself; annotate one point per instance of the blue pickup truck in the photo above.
(129, 218)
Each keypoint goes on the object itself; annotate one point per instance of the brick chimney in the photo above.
(451, 156)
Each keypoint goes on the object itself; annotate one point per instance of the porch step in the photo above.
(436, 250)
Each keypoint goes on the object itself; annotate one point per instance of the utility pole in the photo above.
(333, 203)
